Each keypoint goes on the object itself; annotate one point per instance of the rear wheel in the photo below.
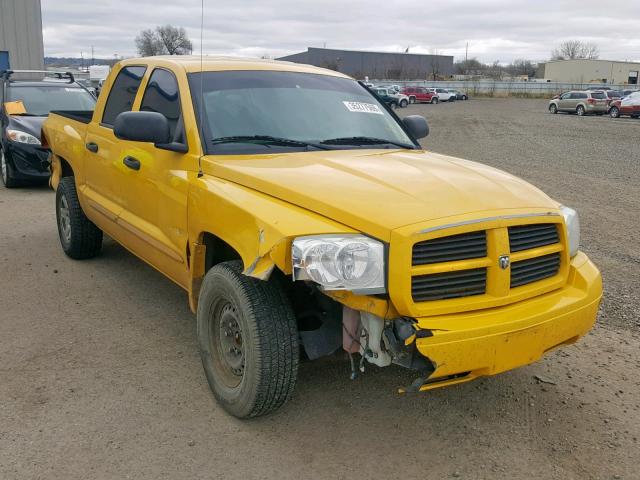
(614, 112)
(434, 100)
(7, 172)
(580, 110)
(248, 341)
(79, 236)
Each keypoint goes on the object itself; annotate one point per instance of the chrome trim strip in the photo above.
(489, 219)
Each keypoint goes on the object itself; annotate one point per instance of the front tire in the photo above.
(6, 171)
(580, 111)
(404, 103)
(248, 341)
(614, 112)
(79, 236)
(553, 108)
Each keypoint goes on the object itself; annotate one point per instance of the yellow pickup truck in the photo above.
(302, 217)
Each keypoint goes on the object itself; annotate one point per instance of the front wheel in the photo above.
(580, 110)
(553, 108)
(614, 112)
(404, 103)
(7, 171)
(248, 341)
(79, 236)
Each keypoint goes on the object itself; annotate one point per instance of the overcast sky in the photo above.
(495, 29)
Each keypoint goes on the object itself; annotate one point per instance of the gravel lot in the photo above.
(100, 376)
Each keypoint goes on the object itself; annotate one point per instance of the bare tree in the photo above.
(148, 44)
(164, 40)
(175, 40)
(574, 49)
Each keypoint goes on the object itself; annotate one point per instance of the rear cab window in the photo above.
(122, 94)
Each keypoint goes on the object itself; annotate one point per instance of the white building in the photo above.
(588, 71)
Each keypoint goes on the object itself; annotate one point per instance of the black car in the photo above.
(22, 158)
(386, 96)
(459, 95)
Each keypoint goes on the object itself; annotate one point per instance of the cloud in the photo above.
(495, 29)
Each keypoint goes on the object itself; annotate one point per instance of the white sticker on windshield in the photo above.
(362, 107)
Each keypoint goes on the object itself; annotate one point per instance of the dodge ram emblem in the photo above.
(504, 261)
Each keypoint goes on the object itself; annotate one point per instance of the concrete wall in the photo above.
(21, 33)
(377, 64)
(584, 71)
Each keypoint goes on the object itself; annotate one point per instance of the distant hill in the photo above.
(76, 62)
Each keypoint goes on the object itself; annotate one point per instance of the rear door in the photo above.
(103, 160)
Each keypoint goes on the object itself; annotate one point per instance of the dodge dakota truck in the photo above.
(302, 217)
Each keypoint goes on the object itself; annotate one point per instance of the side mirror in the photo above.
(417, 125)
(150, 127)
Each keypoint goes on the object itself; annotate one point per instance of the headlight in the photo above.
(22, 137)
(572, 221)
(340, 262)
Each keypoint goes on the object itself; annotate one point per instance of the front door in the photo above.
(155, 184)
(564, 102)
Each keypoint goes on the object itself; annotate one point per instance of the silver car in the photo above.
(580, 102)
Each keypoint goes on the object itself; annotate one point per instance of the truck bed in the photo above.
(83, 116)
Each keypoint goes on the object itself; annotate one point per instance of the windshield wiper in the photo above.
(365, 141)
(267, 140)
(25, 114)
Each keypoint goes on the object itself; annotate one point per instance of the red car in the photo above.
(420, 95)
(629, 105)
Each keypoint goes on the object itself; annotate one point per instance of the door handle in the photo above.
(132, 163)
(92, 147)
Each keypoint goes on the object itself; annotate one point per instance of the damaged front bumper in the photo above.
(468, 345)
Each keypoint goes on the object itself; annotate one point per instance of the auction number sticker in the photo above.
(362, 107)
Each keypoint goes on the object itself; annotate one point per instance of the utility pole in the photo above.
(466, 59)
(92, 59)
(81, 61)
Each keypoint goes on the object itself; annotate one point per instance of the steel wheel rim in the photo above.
(3, 167)
(64, 219)
(227, 344)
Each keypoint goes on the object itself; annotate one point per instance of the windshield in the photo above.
(41, 99)
(302, 107)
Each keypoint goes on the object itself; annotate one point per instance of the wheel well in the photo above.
(67, 171)
(217, 251)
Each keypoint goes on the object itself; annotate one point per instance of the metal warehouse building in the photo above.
(21, 46)
(585, 71)
(377, 65)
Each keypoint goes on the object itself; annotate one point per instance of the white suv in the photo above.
(444, 95)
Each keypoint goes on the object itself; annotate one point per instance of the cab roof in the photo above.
(194, 64)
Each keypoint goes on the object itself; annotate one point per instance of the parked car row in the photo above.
(598, 102)
(397, 96)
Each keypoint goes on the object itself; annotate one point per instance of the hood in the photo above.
(379, 191)
(25, 123)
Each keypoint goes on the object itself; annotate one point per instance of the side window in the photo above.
(123, 93)
(565, 96)
(162, 96)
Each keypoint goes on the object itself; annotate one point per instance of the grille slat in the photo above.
(534, 269)
(439, 286)
(455, 247)
(524, 237)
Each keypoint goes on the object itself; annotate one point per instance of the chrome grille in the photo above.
(438, 286)
(524, 237)
(534, 269)
(449, 249)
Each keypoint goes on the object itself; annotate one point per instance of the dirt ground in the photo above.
(100, 376)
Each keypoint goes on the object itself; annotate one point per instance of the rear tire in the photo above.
(6, 171)
(248, 341)
(435, 100)
(580, 111)
(614, 112)
(79, 236)
(553, 108)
